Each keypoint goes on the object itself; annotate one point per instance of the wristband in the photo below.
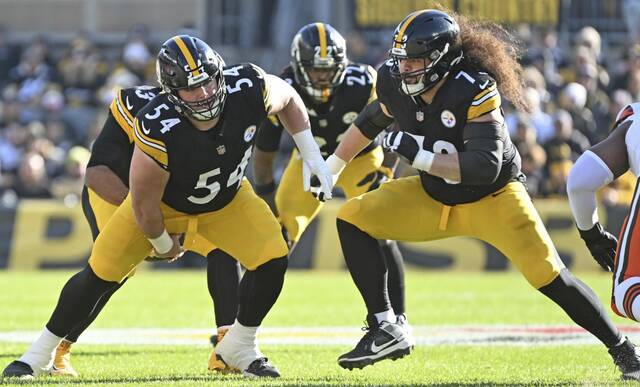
(335, 164)
(163, 243)
(423, 160)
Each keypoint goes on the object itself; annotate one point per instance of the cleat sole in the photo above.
(360, 364)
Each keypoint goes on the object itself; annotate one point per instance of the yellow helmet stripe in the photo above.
(403, 27)
(323, 39)
(187, 54)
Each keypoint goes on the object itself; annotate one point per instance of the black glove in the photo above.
(316, 189)
(601, 244)
(375, 178)
(402, 143)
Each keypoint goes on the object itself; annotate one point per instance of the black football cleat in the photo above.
(382, 341)
(18, 369)
(627, 358)
(261, 368)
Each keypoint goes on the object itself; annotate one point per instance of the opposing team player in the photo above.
(107, 185)
(441, 88)
(334, 91)
(597, 167)
(193, 143)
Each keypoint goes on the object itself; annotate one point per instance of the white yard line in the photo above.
(425, 335)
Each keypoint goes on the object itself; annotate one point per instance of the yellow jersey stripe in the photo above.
(490, 103)
(187, 54)
(478, 102)
(123, 121)
(140, 132)
(484, 92)
(403, 27)
(274, 119)
(322, 33)
(155, 151)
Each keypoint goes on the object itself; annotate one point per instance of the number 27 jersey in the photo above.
(206, 167)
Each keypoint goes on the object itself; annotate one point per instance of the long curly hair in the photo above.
(489, 47)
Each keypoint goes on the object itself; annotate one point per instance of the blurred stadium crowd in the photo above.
(54, 99)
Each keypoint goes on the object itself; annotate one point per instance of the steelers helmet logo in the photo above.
(349, 117)
(448, 119)
(249, 133)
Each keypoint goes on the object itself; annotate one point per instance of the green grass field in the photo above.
(315, 299)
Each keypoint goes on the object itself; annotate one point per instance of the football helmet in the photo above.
(187, 63)
(318, 59)
(432, 36)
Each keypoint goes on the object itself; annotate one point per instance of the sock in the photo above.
(40, 354)
(223, 281)
(78, 329)
(239, 347)
(259, 290)
(395, 276)
(583, 306)
(366, 264)
(78, 298)
(387, 316)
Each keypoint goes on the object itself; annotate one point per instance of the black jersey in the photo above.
(466, 94)
(206, 167)
(114, 145)
(331, 119)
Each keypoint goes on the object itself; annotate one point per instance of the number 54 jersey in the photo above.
(206, 167)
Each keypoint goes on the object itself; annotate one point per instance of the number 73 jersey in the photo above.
(206, 167)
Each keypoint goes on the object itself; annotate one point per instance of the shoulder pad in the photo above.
(153, 126)
(626, 113)
(127, 102)
(482, 89)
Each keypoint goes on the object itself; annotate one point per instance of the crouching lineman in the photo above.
(107, 185)
(437, 88)
(334, 91)
(193, 144)
(595, 168)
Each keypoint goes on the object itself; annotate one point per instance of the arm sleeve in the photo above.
(481, 160)
(268, 139)
(372, 120)
(587, 175)
(110, 145)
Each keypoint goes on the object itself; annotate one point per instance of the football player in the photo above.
(597, 167)
(442, 86)
(193, 144)
(334, 91)
(107, 185)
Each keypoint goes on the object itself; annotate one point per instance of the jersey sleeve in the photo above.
(484, 101)
(147, 139)
(261, 75)
(268, 139)
(111, 145)
(373, 74)
(384, 84)
(123, 116)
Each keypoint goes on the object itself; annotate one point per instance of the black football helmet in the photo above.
(187, 63)
(318, 46)
(431, 35)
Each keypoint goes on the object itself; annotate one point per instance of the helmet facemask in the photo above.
(436, 65)
(319, 91)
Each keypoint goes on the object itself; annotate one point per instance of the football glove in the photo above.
(601, 244)
(409, 148)
(377, 177)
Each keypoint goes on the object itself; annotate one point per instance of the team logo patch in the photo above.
(349, 117)
(448, 119)
(249, 133)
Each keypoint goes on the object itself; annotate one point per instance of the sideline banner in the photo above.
(40, 234)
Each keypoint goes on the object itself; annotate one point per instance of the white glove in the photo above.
(313, 163)
(336, 165)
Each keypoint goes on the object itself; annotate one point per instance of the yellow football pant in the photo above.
(401, 210)
(245, 228)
